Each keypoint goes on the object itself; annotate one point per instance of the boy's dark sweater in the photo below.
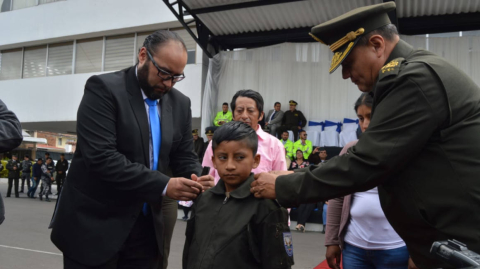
(237, 232)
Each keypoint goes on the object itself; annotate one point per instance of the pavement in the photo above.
(25, 237)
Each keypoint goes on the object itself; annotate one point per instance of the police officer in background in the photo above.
(13, 167)
(293, 120)
(198, 145)
(26, 167)
(61, 167)
(422, 147)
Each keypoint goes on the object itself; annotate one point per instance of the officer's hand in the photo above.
(281, 173)
(299, 127)
(264, 186)
(183, 189)
(411, 264)
(334, 256)
(206, 181)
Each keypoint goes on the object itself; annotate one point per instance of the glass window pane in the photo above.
(34, 62)
(11, 64)
(89, 55)
(18, 4)
(119, 52)
(191, 57)
(60, 58)
(5, 5)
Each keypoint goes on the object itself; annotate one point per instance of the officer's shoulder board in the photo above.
(392, 68)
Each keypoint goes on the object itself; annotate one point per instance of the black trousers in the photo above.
(140, 250)
(285, 128)
(304, 212)
(25, 176)
(60, 179)
(10, 181)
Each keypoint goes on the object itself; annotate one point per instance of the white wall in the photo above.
(52, 99)
(62, 19)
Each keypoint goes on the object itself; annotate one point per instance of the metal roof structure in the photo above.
(231, 24)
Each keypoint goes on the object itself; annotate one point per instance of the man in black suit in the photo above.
(109, 212)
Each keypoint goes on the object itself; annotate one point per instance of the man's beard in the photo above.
(142, 74)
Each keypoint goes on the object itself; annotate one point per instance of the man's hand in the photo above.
(183, 189)
(206, 181)
(266, 123)
(299, 127)
(221, 122)
(59, 172)
(15, 167)
(315, 151)
(334, 256)
(281, 173)
(264, 186)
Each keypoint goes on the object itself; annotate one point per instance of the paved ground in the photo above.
(25, 238)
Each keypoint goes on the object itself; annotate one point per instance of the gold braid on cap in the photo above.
(349, 37)
(316, 38)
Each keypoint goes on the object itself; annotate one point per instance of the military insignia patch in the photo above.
(390, 66)
(296, 115)
(287, 242)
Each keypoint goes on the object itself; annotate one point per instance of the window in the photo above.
(89, 55)
(18, 4)
(5, 5)
(11, 64)
(60, 59)
(34, 62)
(59, 141)
(119, 52)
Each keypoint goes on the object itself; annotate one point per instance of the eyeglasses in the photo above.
(164, 75)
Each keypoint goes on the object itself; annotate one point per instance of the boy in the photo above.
(229, 227)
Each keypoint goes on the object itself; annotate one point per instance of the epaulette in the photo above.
(392, 68)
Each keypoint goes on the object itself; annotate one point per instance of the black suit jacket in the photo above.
(109, 178)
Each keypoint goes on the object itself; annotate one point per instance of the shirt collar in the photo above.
(261, 134)
(240, 193)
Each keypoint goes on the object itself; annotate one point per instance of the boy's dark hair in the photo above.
(236, 131)
(364, 99)
(249, 94)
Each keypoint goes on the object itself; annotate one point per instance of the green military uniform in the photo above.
(306, 149)
(422, 149)
(291, 121)
(226, 117)
(289, 147)
(239, 231)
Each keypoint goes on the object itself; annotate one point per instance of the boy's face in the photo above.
(234, 161)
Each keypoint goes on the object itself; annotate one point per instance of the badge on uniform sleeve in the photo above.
(287, 242)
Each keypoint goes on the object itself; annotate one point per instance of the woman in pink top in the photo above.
(247, 107)
(357, 228)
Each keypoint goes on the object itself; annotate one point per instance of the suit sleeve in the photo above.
(10, 129)
(183, 161)
(96, 130)
(277, 119)
(401, 125)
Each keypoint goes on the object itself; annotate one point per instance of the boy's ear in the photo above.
(213, 161)
(256, 161)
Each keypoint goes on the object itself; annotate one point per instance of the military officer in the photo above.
(293, 120)
(198, 145)
(422, 148)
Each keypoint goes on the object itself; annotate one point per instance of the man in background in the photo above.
(36, 175)
(13, 167)
(223, 116)
(288, 144)
(274, 118)
(304, 145)
(61, 167)
(26, 167)
(198, 144)
(292, 120)
(319, 155)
